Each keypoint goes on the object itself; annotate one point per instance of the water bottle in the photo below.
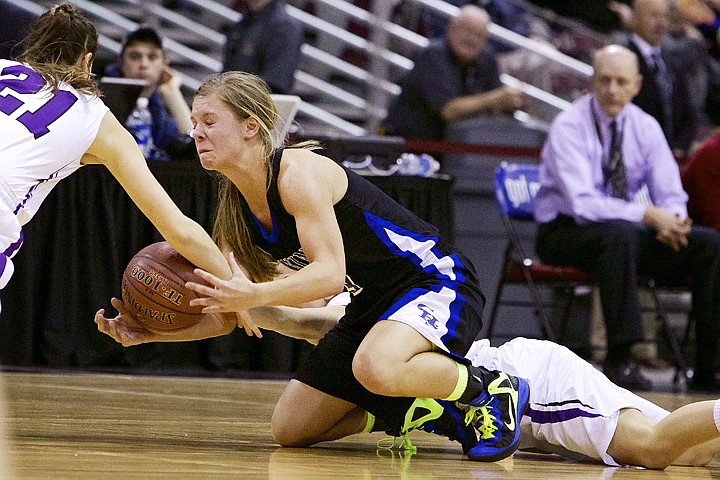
(139, 124)
(419, 165)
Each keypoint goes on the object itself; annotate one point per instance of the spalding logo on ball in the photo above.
(153, 288)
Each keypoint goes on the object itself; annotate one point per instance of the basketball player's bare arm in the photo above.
(128, 331)
(309, 324)
(117, 150)
(311, 321)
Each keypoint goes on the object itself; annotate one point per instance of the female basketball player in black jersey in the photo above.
(415, 308)
(413, 316)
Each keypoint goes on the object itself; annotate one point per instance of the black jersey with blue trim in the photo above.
(388, 249)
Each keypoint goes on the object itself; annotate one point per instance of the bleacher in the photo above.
(355, 55)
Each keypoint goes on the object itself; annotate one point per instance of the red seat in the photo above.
(542, 272)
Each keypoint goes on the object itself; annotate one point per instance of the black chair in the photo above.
(515, 187)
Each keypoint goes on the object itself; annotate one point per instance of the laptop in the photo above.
(120, 95)
(287, 106)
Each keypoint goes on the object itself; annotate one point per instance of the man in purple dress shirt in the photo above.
(611, 201)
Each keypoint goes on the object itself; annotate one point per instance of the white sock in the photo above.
(716, 414)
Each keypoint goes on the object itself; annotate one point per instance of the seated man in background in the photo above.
(143, 58)
(611, 202)
(454, 77)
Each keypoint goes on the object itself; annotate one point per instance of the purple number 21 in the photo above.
(36, 122)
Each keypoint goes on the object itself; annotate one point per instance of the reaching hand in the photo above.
(248, 324)
(234, 295)
(124, 328)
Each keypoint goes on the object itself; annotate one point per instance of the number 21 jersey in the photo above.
(44, 136)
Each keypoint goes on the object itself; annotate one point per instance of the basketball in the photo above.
(153, 288)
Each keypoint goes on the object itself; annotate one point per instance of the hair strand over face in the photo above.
(247, 95)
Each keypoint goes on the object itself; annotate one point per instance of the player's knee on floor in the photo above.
(658, 459)
(646, 455)
(636, 442)
(286, 433)
(660, 451)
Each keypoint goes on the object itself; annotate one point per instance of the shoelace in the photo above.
(388, 443)
(482, 415)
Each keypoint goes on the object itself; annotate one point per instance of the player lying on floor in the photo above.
(574, 410)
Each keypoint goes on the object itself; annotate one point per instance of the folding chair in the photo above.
(515, 187)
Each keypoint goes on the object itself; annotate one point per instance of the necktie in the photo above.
(615, 169)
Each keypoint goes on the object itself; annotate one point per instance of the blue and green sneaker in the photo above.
(496, 414)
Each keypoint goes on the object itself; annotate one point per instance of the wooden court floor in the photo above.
(98, 426)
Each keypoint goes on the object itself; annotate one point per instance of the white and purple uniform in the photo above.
(573, 409)
(44, 136)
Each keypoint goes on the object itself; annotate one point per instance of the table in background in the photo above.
(76, 249)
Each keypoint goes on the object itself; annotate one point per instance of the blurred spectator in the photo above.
(502, 12)
(686, 44)
(666, 74)
(702, 72)
(704, 15)
(454, 77)
(524, 64)
(611, 202)
(142, 57)
(701, 180)
(265, 42)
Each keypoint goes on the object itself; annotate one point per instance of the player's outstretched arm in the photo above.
(117, 150)
(309, 324)
(126, 330)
